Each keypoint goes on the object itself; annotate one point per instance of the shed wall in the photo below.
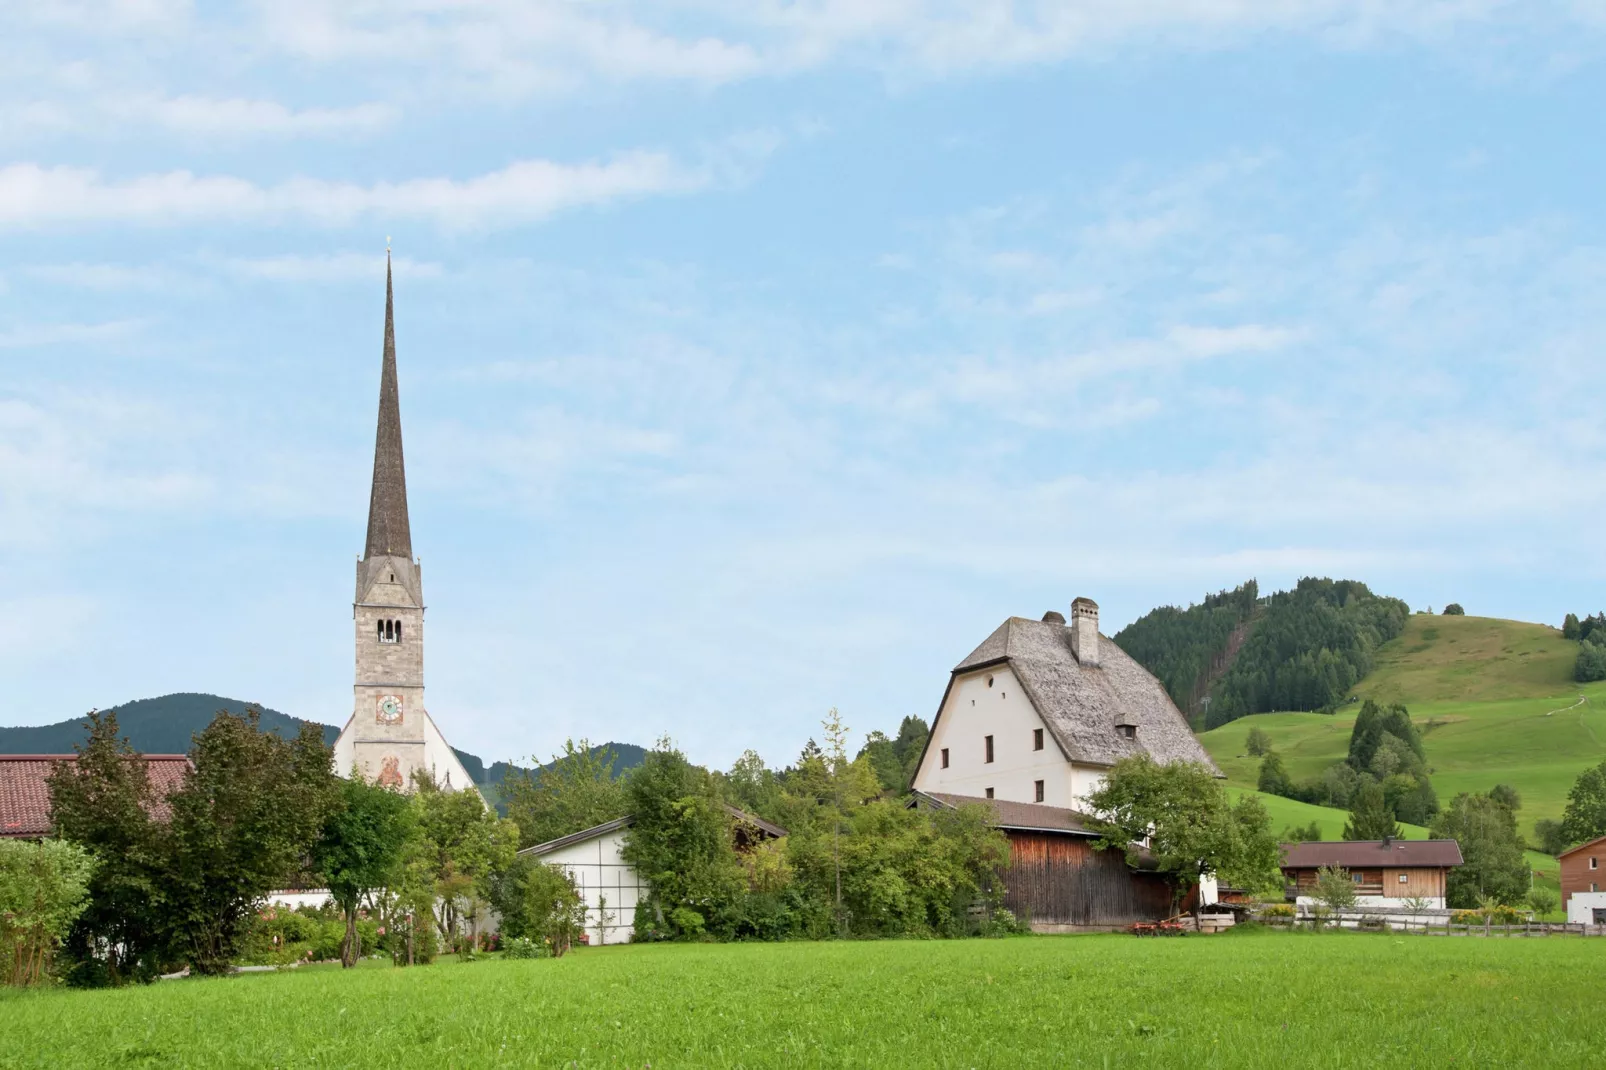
(1060, 881)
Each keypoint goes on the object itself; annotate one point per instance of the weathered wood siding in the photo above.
(1061, 880)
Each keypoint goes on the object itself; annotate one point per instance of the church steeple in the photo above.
(388, 530)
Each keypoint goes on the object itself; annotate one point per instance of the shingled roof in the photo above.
(1023, 817)
(1081, 705)
(25, 793)
(389, 534)
(1373, 854)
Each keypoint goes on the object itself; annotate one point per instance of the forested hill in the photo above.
(165, 725)
(1295, 650)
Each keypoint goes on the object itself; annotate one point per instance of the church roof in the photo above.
(388, 530)
(1081, 705)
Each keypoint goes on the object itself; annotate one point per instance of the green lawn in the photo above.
(1243, 999)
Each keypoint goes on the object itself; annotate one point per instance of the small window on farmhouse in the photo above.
(1404, 879)
(1130, 731)
(989, 748)
(990, 795)
(1356, 877)
(945, 757)
(1039, 790)
(989, 681)
(1594, 863)
(1037, 739)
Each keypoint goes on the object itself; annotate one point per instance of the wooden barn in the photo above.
(1057, 880)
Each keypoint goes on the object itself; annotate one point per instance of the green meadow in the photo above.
(1495, 700)
(1241, 999)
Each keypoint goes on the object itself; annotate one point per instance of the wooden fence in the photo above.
(1436, 928)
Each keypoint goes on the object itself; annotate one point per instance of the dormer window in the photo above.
(1128, 731)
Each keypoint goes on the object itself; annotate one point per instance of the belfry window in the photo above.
(390, 631)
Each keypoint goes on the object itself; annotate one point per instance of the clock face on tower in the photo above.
(389, 709)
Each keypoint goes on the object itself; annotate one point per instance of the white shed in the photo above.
(609, 886)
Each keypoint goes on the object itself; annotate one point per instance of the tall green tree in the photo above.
(1370, 818)
(1192, 828)
(1494, 865)
(680, 842)
(103, 802)
(361, 848)
(576, 790)
(460, 847)
(243, 824)
(1585, 815)
(1569, 627)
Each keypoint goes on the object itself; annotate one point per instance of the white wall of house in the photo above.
(311, 897)
(1581, 907)
(602, 875)
(992, 702)
(1431, 902)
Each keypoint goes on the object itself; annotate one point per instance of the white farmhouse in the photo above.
(1041, 710)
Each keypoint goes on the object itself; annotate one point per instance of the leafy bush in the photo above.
(521, 947)
(1543, 901)
(1277, 910)
(1335, 889)
(688, 922)
(1591, 663)
(43, 888)
(1454, 610)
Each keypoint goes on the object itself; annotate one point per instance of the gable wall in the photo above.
(600, 873)
(974, 710)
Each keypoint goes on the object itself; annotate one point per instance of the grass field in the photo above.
(1536, 743)
(1242, 999)
(1471, 659)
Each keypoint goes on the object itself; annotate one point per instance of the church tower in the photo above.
(390, 735)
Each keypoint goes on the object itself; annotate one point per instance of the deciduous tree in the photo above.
(243, 824)
(576, 790)
(43, 888)
(1494, 866)
(1585, 815)
(1192, 829)
(360, 849)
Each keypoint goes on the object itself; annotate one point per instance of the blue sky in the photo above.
(761, 357)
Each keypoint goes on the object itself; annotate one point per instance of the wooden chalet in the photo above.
(1057, 881)
(1583, 882)
(1385, 872)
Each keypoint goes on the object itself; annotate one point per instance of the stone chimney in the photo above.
(1085, 632)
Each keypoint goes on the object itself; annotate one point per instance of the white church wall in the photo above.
(992, 702)
(601, 874)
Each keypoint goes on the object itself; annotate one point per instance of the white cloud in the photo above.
(34, 196)
(228, 118)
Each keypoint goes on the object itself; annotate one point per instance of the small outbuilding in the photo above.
(1583, 882)
(1057, 880)
(609, 886)
(1386, 873)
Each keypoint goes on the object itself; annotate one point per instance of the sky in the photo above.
(761, 357)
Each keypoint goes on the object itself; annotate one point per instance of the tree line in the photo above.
(1590, 632)
(1385, 772)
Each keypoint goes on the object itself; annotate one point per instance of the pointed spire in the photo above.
(388, 530)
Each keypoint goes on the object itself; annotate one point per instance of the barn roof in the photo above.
(1366, 854)
(1081, 705)
(1022, 817)
(25, 793)
(1580, 847)
(767, 828)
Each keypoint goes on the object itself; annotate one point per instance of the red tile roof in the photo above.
(1373, 854)
(25, 797)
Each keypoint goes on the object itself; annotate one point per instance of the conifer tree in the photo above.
(1370, 818)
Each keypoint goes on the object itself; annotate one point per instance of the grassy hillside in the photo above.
(1495, 700)
(1470, 659)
